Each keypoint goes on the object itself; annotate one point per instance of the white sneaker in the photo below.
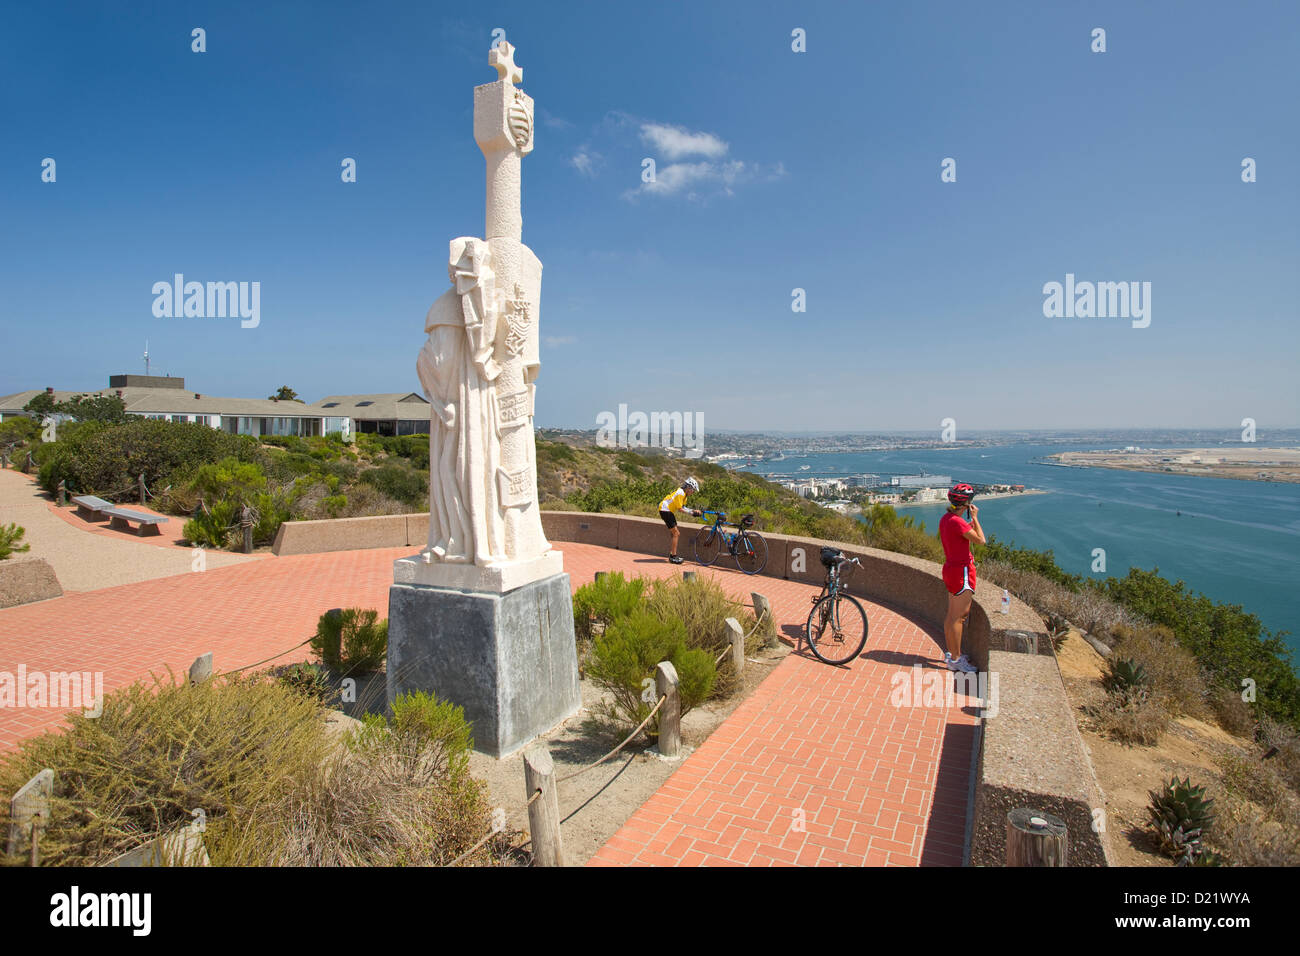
(964, 665)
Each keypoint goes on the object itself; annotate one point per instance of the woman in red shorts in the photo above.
(957, 533)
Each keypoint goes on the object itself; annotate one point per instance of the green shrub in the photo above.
(272, 510)
(603, 601)
(19, 430)
(1230, 643)
(351, 640)
(309, 679)
(623, 662)
(400, 483)
(229, 478)
(10, 535)
(103, 459)
(217, 527)
(703, 608)
(334, 505)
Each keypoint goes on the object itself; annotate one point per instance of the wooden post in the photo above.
(63, 493)
(1036, 839)
(141, 483)
(28, 464)
(670, 714)
(29, 812)
(544, 812)
(246, 525)
(736, 635)
(601, 574)
(689, 575)
(201, 669)
(763, 609)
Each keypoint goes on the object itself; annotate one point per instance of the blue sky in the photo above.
(776, 170)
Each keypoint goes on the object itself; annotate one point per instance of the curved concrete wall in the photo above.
(912, 584)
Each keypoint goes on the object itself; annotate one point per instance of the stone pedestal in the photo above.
(508, 658)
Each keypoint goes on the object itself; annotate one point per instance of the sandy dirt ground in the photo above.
(1126, 772)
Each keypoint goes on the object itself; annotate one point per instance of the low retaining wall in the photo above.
(351, 534)
(24, 580)
(1031, 754)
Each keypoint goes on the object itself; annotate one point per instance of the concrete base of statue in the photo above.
(508, 658)
(497, 579)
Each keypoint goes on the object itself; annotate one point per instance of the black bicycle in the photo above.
(745, 545)
(837, 625)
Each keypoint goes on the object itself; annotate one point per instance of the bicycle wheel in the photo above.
(837, 629)
(708, 545)
(751, 552)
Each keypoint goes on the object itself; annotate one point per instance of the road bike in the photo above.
(745, 545)
(837, 625)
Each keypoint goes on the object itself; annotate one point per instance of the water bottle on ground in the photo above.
(1006, 602)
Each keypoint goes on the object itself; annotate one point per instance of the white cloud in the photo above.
(552, 121)
(586, 161)
(553, 341)
(691, 179)
(676, 142)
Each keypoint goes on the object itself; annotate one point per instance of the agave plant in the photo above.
(1125, 677)
(1057, 629)
(1180, 814)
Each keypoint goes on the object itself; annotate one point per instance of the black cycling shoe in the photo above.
(675, 559)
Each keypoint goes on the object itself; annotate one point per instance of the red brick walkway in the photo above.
(817, 767)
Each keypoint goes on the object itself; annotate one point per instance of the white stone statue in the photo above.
(478, 369)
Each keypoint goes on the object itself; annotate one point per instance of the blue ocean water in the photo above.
(1236, 541)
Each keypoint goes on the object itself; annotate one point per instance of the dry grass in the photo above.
(273, 785)
(1175, 676)
(1129, 717)
(1088, 610)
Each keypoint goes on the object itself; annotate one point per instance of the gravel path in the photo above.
(87, 555)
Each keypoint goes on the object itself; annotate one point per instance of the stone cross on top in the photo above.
(502, 56)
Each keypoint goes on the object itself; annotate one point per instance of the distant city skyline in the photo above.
(1149, 184)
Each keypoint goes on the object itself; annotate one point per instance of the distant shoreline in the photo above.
(1276, 465)
(978, 498)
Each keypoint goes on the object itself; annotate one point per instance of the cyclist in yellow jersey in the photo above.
(677, 502)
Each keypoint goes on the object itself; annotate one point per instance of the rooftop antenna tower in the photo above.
(146, 357)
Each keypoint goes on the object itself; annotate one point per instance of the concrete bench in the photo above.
(119, 519)
(88, 506)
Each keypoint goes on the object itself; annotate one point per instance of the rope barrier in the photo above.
(267, 661)
(578, 773)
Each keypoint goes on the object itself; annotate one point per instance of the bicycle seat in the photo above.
(831, 556)
(747, 521)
